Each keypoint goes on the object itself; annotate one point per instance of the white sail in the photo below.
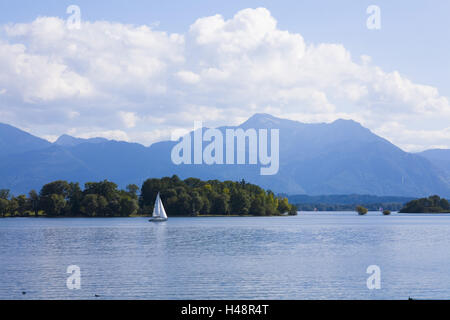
(158, 210)
(162, 213)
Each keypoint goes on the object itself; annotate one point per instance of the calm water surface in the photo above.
(310, 256)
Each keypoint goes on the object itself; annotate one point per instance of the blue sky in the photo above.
(119, 81)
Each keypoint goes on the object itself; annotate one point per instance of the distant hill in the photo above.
(341, 157)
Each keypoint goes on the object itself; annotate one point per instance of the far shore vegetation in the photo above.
(190, 197)
(432, 204)
(347, 207)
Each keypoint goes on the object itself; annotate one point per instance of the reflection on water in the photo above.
(311, 256)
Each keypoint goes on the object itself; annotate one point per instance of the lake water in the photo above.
(309, 256)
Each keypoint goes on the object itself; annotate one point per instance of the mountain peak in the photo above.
(261, 116)
(346, 122)
(348, 126)
(264, 120)
(68, 141)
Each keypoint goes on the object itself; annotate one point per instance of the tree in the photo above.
(53, 205)
(75, 197)
(104, 188)
(197, 202)
(23, 205)
(52, 198)
(443, 203)
(89, 205)
(361, 210)
(240, 201)
(59, 187)
(4, 194)
(133, 190)
(283, 205)
(34, 201)
(4, 204)
(293, 210)
(128, 206)
(257, 206)
(271, 203)
(221, 204)
(149, 190)
(13, 206)
(184, 206)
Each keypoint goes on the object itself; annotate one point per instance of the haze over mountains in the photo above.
(316, 159)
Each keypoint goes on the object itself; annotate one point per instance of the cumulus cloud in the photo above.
(135, 83)
(129, 119)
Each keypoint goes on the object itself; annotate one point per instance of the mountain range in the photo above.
(341, 157)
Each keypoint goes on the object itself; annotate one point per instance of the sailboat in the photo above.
(159, 213)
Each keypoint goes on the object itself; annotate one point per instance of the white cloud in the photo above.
(134, 83)
(129, 119)
(188, 77)
(415, 139)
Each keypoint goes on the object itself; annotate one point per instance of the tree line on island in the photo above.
(431, 204)
(190, 197)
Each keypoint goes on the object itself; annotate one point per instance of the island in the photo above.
(361, 210)
(432, 204)
(189, 197)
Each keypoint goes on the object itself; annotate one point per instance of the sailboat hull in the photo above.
(158, 219)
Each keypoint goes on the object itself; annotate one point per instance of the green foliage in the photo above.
(196, 197)
(13, 206)
(181, 198)
(23, 204)
(4, 204)
(386, 212)
(4, 194)
(33, 198)
(93, 205)
(128, 206)
(53, 204)
(432, 204)
(132, 190)
(361, 210)
(59, 187)
(240, 202)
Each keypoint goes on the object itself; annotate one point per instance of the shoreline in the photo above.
(149, 216)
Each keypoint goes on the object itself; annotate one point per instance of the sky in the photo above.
(140, 70)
